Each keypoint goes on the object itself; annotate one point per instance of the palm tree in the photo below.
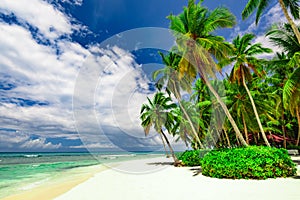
(245, 62)
(157, 113)
(283, 36)
(261, 5)
(192, 29)
(169, 77)
(182, 127)
(278, 72)
(291, 96)
(241, 106)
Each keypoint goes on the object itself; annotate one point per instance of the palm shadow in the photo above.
(161, 163)
(196, 171)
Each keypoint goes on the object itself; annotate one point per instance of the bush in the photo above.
(192, 157)
(248, 163)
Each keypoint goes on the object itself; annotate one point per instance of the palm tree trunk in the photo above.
(298, 119)
(245, 129)
(176, 161)
(254, 137)
(227, 138)
(255, 112)
(167, 154)
(283, 127)
(289, 19)
(231, 120)
(177, 95)
(206, 81)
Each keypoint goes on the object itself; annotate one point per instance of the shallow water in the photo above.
(24, 171)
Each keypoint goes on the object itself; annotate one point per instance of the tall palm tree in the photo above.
(169, 77)
(284, 37)
(291, 96)
(241, 106)
(182, 127)
(278, 72)
(244, 62)
(261, 5)
(157, 113)
(192, 29)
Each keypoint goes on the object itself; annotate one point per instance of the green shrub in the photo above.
(192, 157)
(248, 163)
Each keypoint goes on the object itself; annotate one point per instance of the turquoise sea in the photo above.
(22, 171)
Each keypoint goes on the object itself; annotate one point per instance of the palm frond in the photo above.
(249, 8)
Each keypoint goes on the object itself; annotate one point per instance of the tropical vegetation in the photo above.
(256, 104)
(248, 163)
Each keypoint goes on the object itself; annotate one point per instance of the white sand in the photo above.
(161, 181)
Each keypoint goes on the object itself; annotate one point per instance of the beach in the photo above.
(57, 185)
(156, 178)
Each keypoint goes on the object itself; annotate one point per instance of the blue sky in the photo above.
(56, 91)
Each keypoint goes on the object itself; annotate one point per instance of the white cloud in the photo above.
(39, 143)
(51, 22)
(74, 2)
(21, 140)
(41, 75)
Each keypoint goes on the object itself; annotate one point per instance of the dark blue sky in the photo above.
(106, 18)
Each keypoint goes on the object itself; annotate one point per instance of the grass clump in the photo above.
(255, 162)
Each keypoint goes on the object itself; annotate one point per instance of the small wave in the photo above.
(34, 184)
(31, 156)
(108, 157)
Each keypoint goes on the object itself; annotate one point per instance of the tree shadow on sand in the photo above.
(161, 163)
(196, 171)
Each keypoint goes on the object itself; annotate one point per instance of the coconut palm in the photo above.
(192, 29)
(157, 113)
(169, 77)
(244, 62)
(182, 127)
(278, 72)
(241, 106)
(261, 5)
(291, 95)
(283, 36)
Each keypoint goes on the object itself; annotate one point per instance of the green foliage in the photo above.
(255, 162)
(192, 157)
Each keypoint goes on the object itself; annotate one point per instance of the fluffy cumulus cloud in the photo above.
(16, 140)
(40, 70)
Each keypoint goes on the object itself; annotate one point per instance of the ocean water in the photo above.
(23, 171)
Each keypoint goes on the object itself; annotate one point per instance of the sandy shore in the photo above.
(57, 185)
(153, 179)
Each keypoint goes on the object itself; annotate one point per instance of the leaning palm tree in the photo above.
(244, 62)
(192, 29)
(157, 113)
(261, 5)
(169, 77)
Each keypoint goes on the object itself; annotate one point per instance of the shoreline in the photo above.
(156, 178)
(58, 185)
(169, 182)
